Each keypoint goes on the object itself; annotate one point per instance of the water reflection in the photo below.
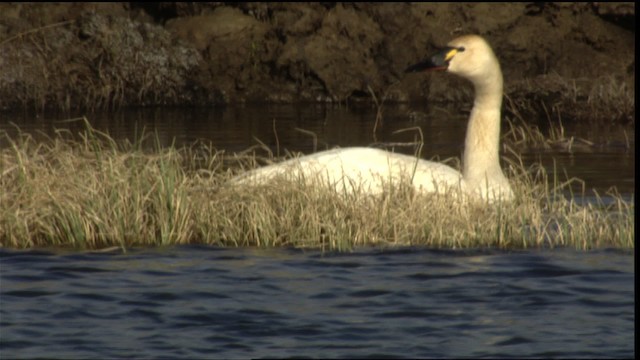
(312, 127)
(236, 128)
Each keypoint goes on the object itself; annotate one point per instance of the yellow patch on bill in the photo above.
(450, 54)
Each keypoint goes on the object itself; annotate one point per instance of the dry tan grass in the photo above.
(94, 194)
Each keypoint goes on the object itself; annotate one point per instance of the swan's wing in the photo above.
(365, 169)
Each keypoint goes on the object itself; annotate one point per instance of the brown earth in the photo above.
(102, 55)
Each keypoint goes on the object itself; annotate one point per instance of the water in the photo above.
(313, 127)
(204, 302)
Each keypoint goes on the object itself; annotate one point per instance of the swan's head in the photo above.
(469, 56)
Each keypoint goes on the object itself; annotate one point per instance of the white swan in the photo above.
(371, 170)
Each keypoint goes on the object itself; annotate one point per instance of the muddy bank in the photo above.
(576, 57)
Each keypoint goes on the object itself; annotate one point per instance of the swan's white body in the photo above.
(362, 169)
(373, 170)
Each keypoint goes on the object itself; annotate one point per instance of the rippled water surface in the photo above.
(205, 302)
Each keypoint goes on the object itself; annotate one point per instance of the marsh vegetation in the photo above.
(95, 193)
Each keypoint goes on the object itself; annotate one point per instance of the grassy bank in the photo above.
(94, 193)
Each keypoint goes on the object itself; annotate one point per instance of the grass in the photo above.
(94, 193)
(605, 100)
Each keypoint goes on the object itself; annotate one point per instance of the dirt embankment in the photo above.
(68, 55)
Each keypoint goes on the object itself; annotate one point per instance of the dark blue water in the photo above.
(205, 302)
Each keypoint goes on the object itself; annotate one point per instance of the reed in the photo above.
(93, 193)
(605, 100)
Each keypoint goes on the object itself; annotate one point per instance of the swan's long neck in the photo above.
(481, 161)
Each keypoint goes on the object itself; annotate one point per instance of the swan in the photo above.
(373, 170)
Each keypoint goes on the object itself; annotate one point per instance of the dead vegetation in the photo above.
(95, 193)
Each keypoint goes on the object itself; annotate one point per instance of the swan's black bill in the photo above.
(439, 61)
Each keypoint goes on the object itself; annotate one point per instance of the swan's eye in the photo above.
(461, 49)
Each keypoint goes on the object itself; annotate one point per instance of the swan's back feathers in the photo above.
(360, 169)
